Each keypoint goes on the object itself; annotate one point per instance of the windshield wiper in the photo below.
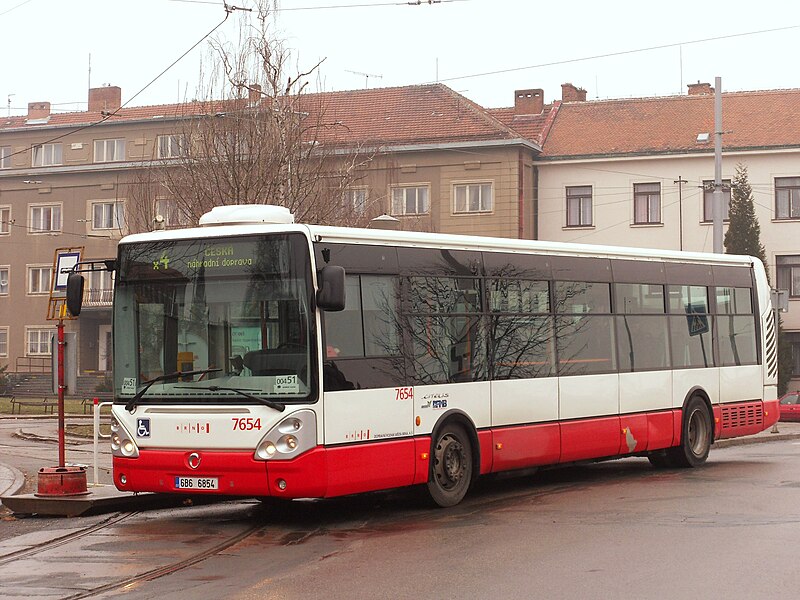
(176, 375)
(279, 406)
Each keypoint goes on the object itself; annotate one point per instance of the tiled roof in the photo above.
(420, 114)
(762, 119)
(532, 127)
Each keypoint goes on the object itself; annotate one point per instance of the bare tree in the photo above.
(255, 135)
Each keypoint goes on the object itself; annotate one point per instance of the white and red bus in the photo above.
(258, 357)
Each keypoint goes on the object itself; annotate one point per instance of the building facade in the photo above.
(632, 172)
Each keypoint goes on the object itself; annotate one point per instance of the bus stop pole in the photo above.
(61, 435)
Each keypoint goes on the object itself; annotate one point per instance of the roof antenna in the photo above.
(365, 75)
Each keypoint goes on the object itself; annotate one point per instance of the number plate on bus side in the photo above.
(196, 483)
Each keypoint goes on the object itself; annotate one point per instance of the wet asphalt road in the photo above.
(612, 530)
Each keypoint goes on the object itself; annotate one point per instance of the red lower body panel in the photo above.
(350, 469)
(156, 470)
(747, 418)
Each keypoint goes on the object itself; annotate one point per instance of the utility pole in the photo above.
(680, 181)
(716, 199)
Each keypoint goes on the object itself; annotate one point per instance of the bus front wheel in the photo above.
(451, 466)
(696, 436)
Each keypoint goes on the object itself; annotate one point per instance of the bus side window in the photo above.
(344, 335)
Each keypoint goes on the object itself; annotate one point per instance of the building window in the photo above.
(3, 341)
(708, 200)
(788, 268)
(356, 199)
(579, 206)
(109, 150)
(410, 200)
(5, 272)
(37, 342)
(5, 220)
(47, 155)
(39, 279)
(646, 203)
(101, 286)
(5, 157)
(787, 197)
(108, 215)
(472, 197)
(170, 146)
(45, 218)
(794, 343)
(167, 208)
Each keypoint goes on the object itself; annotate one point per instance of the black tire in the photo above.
(696, 436)
(660, 460)
(451, 467)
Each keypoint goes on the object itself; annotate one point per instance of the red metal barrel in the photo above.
(61, 481)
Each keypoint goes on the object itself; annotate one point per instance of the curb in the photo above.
(16, 477)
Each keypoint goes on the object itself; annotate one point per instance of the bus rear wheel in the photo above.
(451, 467)
(696, 436)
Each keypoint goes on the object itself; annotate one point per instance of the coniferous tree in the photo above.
(744, 237)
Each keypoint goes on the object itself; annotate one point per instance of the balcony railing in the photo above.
(94, 298)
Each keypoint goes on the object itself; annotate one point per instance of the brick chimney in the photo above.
(700, 89)
(570, 93)
(38, 110)
(108, 98)
(253, 94)
(528, 102)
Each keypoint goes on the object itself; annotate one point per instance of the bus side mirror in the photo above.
(331, 293)
(75, 284)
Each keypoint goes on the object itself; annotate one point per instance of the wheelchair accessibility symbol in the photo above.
(142, 428)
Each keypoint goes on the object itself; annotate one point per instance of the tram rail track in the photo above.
(168, 569)
(64, 539)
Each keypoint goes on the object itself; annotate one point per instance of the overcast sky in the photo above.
(484, 49)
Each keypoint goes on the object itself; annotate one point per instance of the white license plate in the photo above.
(196, 483)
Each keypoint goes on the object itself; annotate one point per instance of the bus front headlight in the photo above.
(122, 443)
(289, 438)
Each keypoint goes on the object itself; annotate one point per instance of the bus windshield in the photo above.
(234, 311)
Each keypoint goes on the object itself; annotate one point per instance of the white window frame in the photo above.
(36, 222)
(47, 155)
(708, 200)
(5, 157)
(787, 198)
(170, 145)
(652, 198)
(787, 272)
(168, 208)
(112, 217)
(576, 205)
(4, 342)
(5, 280)
(399, 202)
(5, 219)
(39, 277)
(355, 199)
(40, 333)
(463, 191)
(100, 286)
(109, 150)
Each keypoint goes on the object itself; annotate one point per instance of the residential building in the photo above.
(437, 161)
(640, 172)
(632, 172)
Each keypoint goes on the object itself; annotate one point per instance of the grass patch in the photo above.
(71, 406)
(87, 430)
